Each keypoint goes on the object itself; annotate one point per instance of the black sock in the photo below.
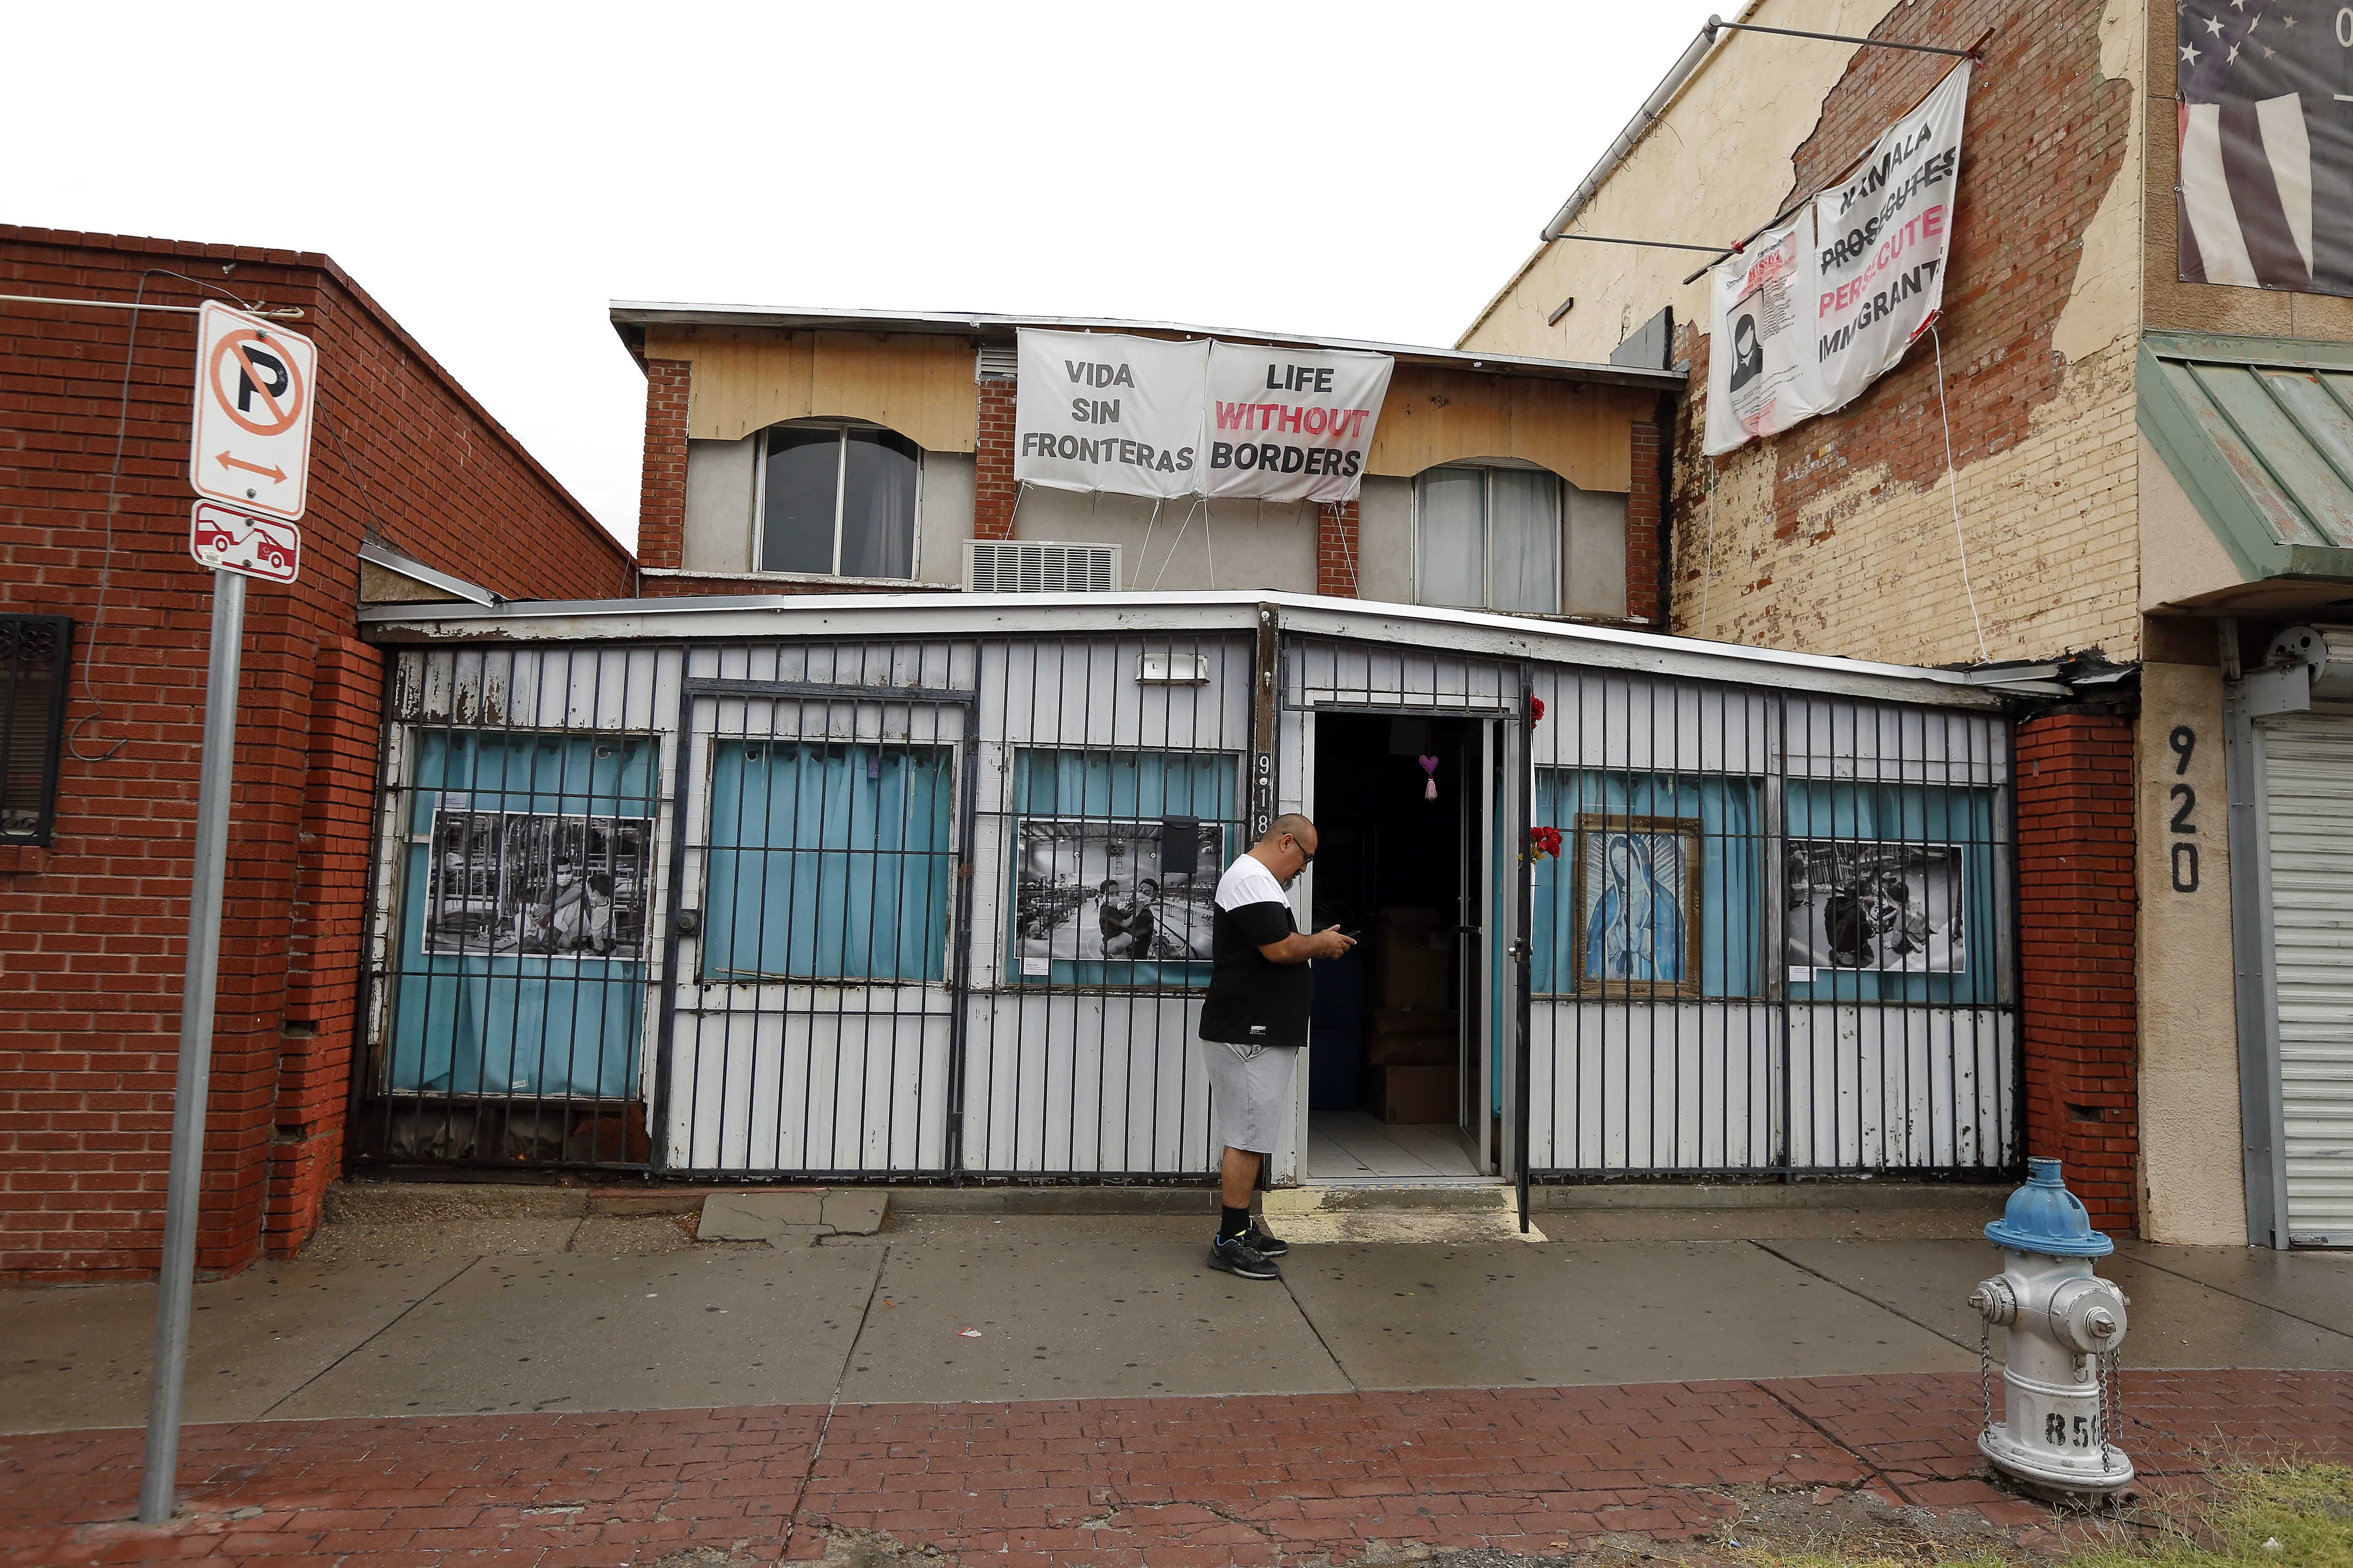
(1231, 1222)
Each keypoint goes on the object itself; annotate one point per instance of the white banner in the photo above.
(1292, 424)
(1760, 362)
(1883, 238)
(1812, 315)
(1103, 411)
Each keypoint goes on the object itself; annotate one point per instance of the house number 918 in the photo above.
(2184, 742)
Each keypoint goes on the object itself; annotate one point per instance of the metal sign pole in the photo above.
(175, 1283)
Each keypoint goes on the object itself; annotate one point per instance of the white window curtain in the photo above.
(1488, 538)
(1524, 541)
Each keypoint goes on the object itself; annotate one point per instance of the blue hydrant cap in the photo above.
(2044, 1216)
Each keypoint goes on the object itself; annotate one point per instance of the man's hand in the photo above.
(1300, 946)
(1330, 942)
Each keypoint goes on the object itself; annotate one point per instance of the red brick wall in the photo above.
(994, 493)
(1339, 552)
(92, 932)
(2047, 136)
(2076, 943)
(661, 499)
(1644, 541)
(323, 997)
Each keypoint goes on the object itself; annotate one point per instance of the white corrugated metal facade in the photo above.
(718, 1028)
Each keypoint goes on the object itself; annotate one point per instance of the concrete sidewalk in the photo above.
(525, 1312)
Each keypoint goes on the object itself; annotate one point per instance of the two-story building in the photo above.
(873, 841)
(2126, 433)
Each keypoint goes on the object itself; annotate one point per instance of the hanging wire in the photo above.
(1707, 580)
(1200, 503)
(113, 485)
(1145, 548)
(1953, 476)
(1347, 550)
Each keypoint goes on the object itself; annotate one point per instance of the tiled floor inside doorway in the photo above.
(1344, 1145)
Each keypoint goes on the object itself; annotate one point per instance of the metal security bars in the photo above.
(35, 655)
(937, 908)
(1113, 797)
(521, 811)
(822, 825)
(1778, 935)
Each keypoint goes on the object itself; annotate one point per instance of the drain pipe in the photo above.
(1652, 107)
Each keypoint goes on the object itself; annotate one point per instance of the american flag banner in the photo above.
(2265, 191)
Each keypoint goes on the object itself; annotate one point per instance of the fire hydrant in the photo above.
(2060, 1410)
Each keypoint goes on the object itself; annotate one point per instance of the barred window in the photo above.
(34, 651)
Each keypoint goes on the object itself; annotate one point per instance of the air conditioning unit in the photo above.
(997, 362)
(1039, 566)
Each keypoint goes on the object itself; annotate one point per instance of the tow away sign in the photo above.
(255, 385)
(229, 540)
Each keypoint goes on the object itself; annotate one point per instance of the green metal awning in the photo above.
(2259, 431)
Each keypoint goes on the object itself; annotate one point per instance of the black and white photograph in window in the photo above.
(520, 882)
(1106, 891)
(1517, 538)
(838, 499)
(1889, 908)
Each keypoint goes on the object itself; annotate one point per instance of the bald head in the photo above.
(1291, 822)
(1287, 847)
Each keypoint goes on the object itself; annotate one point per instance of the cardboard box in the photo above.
(1412, 961)
(1415, 1048)
(1412, 1096)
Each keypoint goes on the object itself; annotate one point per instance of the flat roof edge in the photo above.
(645, 313)
(740, 617)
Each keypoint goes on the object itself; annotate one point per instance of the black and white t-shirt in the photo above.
(1251, 1001)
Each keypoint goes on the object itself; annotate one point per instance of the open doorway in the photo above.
(1395, 1087)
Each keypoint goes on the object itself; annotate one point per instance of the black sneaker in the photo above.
(1268, 1244)
(1236, 1256)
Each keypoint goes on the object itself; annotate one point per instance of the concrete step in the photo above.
(1875, 1208)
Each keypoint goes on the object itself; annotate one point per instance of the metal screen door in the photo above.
(820, 879)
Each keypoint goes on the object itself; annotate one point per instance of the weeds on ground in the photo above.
(2274, 1515)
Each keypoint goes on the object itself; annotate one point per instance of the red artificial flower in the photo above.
(1535, 710)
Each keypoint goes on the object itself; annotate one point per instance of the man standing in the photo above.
(1255, 1019)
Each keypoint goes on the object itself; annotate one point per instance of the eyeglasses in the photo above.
(1306, 856)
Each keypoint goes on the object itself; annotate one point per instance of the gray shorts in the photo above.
(1247, 1099)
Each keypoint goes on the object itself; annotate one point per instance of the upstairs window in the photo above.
(837, 501)
(33, 659)
(1488, 538)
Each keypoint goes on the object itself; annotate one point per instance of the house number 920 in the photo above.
(2184, 742)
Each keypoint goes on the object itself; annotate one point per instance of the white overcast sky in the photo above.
(496, 173)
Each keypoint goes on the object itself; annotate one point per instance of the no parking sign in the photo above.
(255, 386)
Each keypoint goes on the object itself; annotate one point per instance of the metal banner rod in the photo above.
(1650, 244)
(176, 1282)
(1715, 26)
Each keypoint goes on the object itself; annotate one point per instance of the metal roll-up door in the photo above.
(2309, 768)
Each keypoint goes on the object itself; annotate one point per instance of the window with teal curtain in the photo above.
(1895, 822)
(1087, 795)
(828, 861)
(513, 979)
(1727, 959)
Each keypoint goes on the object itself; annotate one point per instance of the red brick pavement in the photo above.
(1120, 1483)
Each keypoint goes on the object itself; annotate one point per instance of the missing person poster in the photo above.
(1293, 425)
(1104, 411)
(1760, 368)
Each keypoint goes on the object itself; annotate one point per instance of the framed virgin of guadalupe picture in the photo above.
(1637, 896)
